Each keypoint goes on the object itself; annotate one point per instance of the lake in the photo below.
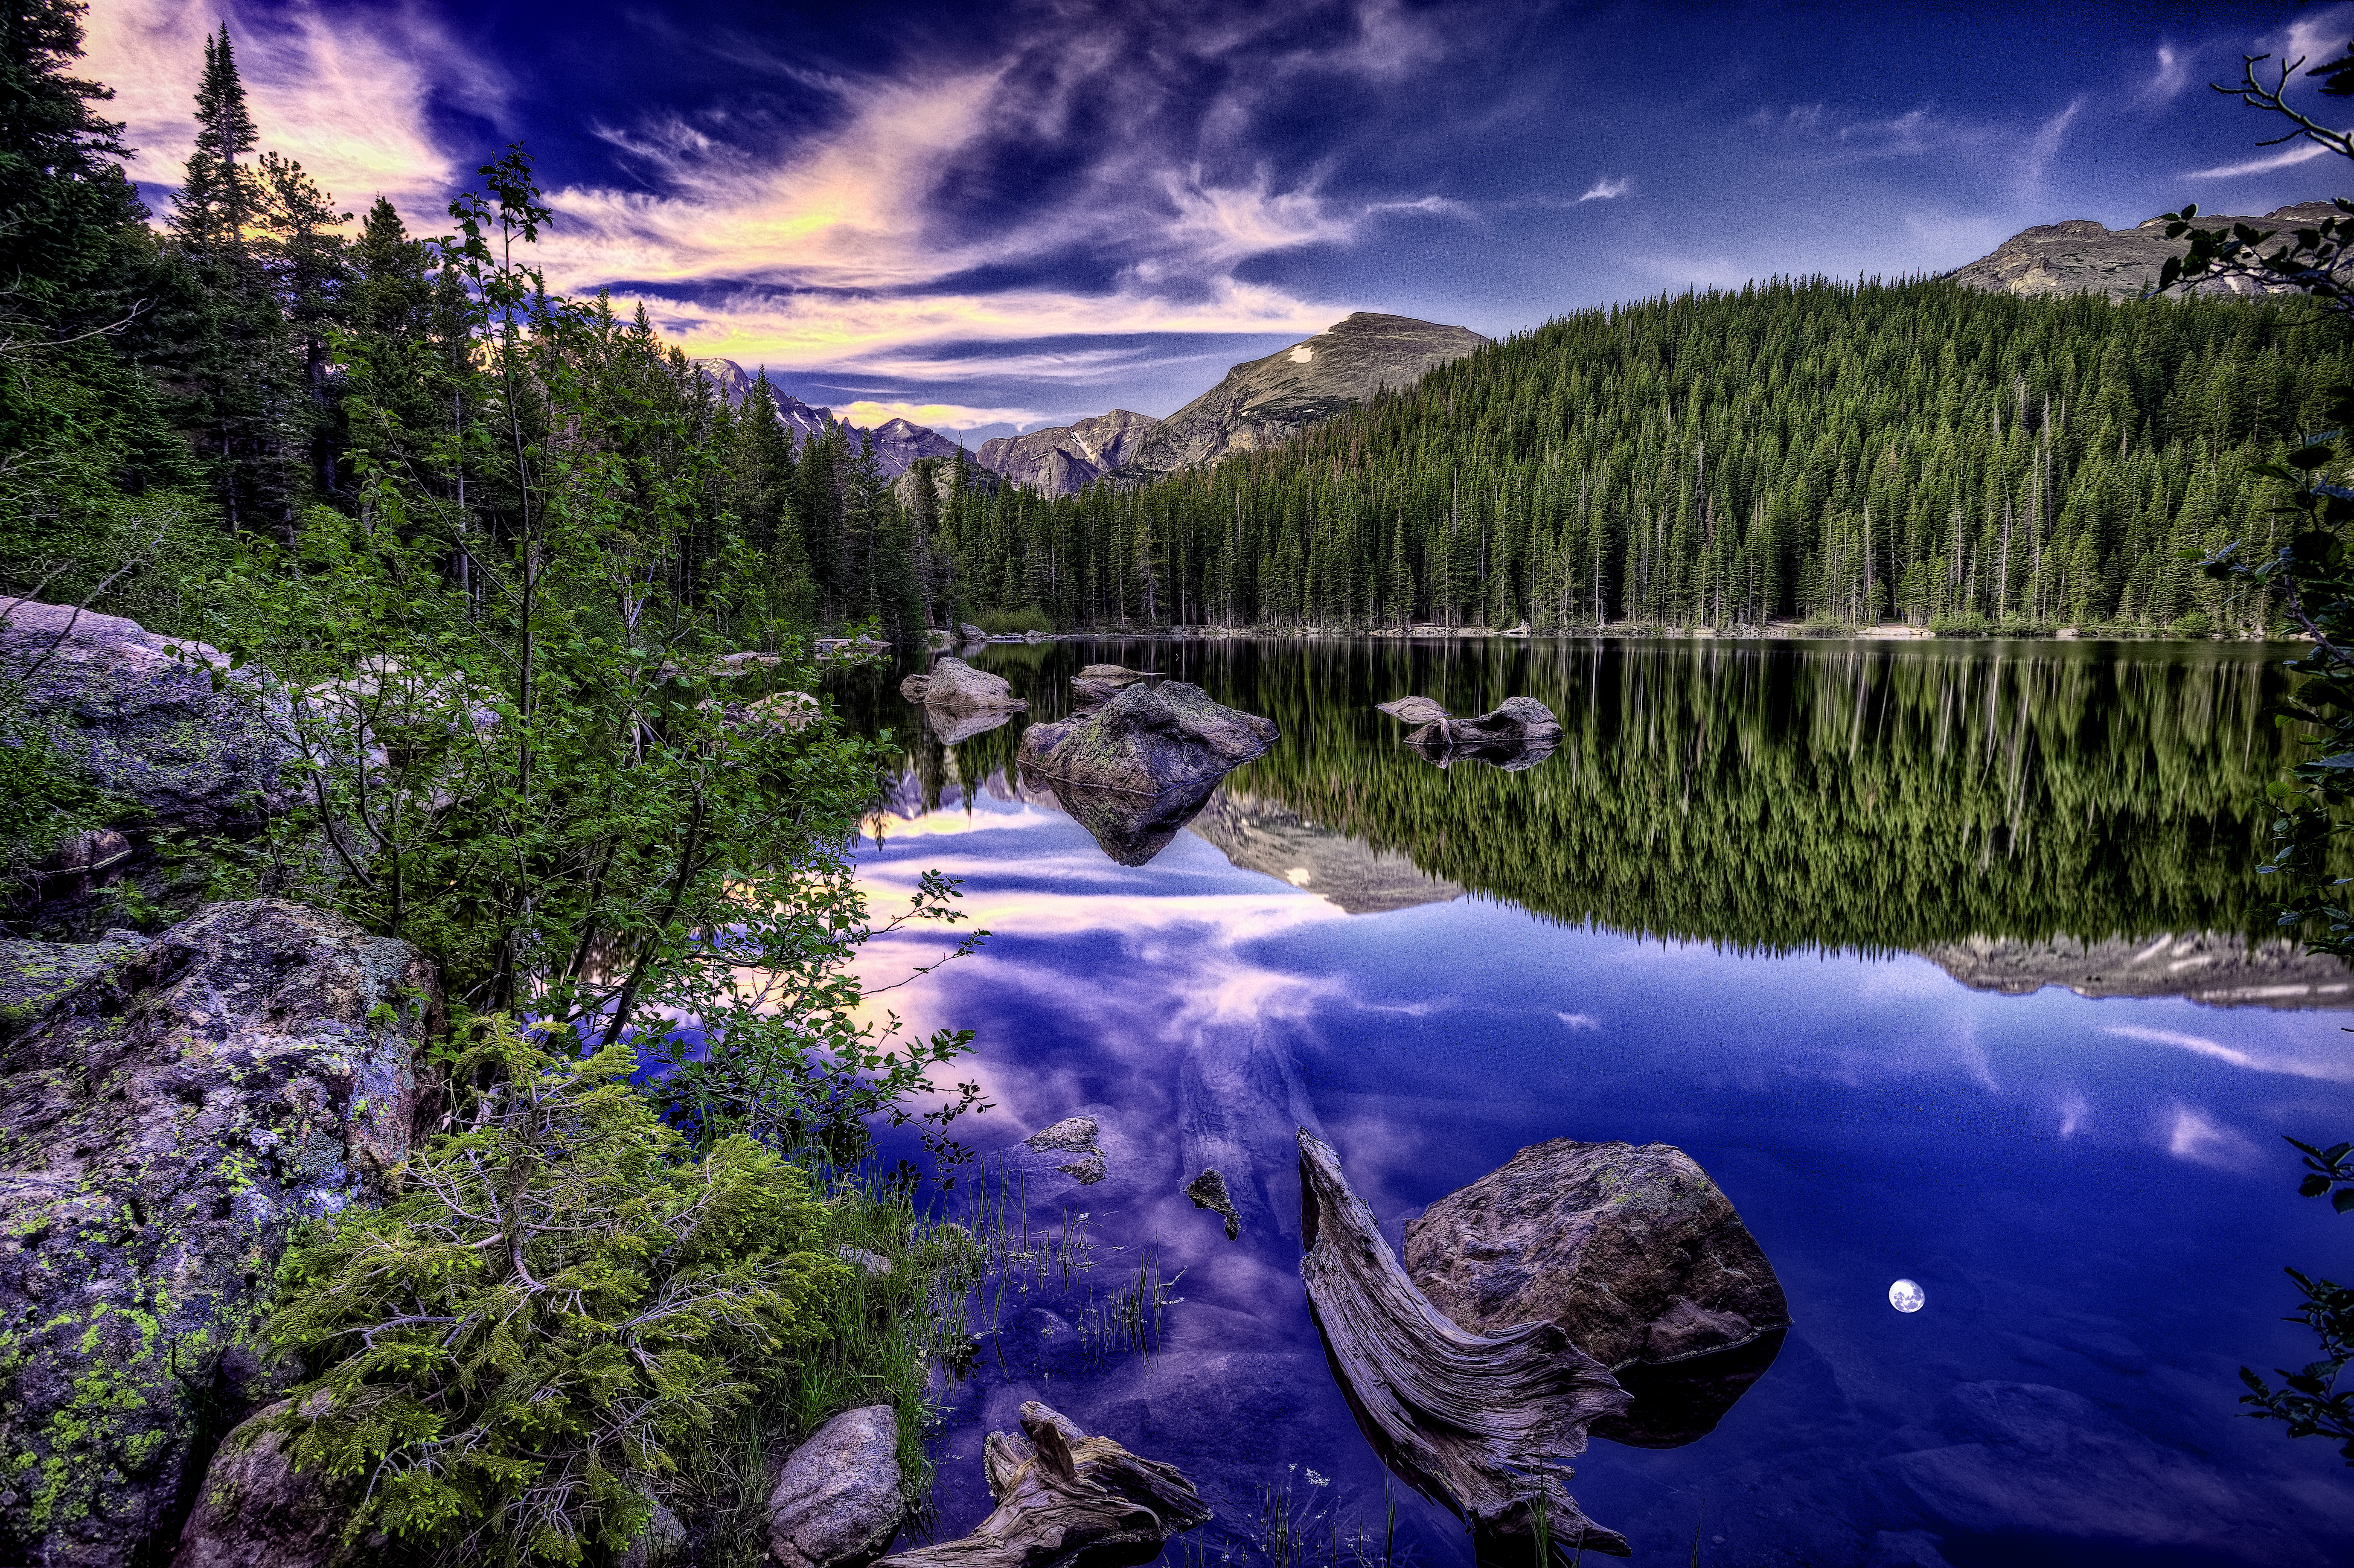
(1936, 956)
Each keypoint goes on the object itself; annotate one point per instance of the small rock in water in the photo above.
(1072, 1135)
(953, 684)
(837, 1503)
(1208, 1190)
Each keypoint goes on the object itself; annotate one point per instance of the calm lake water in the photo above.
(1931, 954)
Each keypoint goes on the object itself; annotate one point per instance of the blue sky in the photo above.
(997, 216)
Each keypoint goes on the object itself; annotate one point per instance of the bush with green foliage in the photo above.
(518, 1352)
(1028, 617)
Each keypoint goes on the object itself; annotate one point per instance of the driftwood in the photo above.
(1063, 1496)
(1475, 1422)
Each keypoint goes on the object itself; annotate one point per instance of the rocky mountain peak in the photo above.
(1066, 459)
(2079, 255)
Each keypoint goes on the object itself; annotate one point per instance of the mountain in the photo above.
(2081, 257)
(897, 442)
(1066, 459)
(1265, 402)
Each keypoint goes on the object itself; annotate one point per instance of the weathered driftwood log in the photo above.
(1476, 1422)
(1521, 719)
(1063, 1496)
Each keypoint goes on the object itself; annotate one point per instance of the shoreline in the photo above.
(1775, 631)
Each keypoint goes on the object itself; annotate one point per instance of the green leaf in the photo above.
(2342, 1200)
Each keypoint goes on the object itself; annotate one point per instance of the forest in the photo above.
(1801, 452)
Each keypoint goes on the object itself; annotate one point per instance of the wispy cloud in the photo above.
(2193, 1135)
(2289, 157)
(2045, 144)
(345, 90)
(2173, 74)
(1607, 189)
(2286, 1055)
(866, 414)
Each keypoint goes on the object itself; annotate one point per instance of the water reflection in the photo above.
(2081, 1175)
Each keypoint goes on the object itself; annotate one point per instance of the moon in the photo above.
(1907, 1296)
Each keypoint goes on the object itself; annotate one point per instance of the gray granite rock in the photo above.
(837, 1503)
(148, 728)
(1151, 740)
(255, 1509)
(956, 685)
(164, 1122)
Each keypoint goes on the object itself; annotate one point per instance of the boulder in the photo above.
(1062, 1499)
(1102, 682)
(164, 1121)
(255, 1509)
(1632, 1252)
(972, 633)
(661, 1540)
(953, 727)
(957, 685)
(1149, 739)
(1130, 828)
(33, 974)
(146, 727)
(837, 1503)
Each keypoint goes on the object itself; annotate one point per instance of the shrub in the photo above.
(1028, 617)
(519, 1351)
(2198, 623)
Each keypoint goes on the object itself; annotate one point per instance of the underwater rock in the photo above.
(147, 728)
(255, 1509)
(1148, 740)
(1475, 1422)
(1075, 1136)
(1524, 720)
(1208, 1190)
(164, 1122)
(1633, 1252)
(1063, 1498)
(953, 684)
(837, 1503)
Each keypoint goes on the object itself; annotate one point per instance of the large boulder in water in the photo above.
(958, 687)
(1148, 740)
(1632, 1252)
(148, 728)
(166, 1119)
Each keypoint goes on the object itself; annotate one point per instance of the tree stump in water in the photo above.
(1064, 1496)
(1476, 1422)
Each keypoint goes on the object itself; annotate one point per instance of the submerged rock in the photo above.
(164, 1121)
(147, 728)
(1477, 1422)
(837, 1503)
(955, 684)
(1148, 739)
(1063, 1498)
(1129, 828)
(1208, 1190)
(1633, 1252)
(1075, 1136)
(952, 727)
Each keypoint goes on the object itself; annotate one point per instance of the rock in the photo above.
(1149, 739)
(1066, 459)
(728, 665)
(1102, 682)
(33, 974)
(1632, 1252)
(255, 1509)
(163, 1123)
(782, 710)
(873, 1263)
(147, 728)
(1262, 834)
(1476, 1422)
(1063, 1498)
(954, 726)
(1075, 1136)
(2080, 256)
(972, 633)
(84, 855)
(957, 685)
(659, 1542)
(1681, 1402)
(1208, 1190)
(837, 1503)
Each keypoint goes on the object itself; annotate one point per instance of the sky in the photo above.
(998, 216)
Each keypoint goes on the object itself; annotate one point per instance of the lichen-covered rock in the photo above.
(1149, 739)
(163, 1123)
(1632, 1252)
(955, 684)
(837, 1503)
(255, 1509)
(148, 728)
(33, 974)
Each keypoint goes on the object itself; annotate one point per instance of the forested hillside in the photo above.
(1804, 449)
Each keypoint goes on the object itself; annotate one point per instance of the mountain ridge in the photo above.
(2080, 255)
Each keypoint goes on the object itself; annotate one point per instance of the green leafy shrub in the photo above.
(518, 1352)
(2198, 623)
(1028, 617)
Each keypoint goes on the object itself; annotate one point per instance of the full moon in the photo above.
(1907, 1296)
